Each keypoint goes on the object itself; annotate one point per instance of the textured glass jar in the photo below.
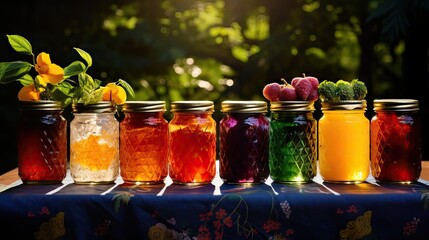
(396, 140)
(42, 143)
(344, 150)
(293, 141)
(143, 142)
(94, 143)
(243, 147)
(192, 142)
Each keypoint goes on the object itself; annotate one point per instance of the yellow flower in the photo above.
(40, 80)
(155, 233)
(54, 229)
(29, 93)
(113, 92)
(49, 72)
(357, 229)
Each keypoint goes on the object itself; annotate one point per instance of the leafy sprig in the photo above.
(85, 90)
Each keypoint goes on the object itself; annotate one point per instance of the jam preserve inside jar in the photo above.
(42, 143)
(243, 156)
(94, 143)
(192, 142)
(143, 142)
(344, 142)
(293, 142)
(396, 140)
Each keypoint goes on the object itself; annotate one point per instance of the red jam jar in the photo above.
(42, 143)
(192, 142)
(143, 144)
(396, 140)
(243, 147)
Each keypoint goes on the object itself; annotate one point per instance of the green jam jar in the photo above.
(293, 142)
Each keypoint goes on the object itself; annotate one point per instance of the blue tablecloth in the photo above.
(314, 210)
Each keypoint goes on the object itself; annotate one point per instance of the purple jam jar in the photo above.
(243, 147)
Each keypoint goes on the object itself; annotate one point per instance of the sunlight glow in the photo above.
(196, 71)
(179, 70)
(189, 61)
(205, 84)
(226, 81)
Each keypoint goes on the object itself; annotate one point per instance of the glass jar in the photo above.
(293, 142)
(243, 147)
(192, 142)
(143, 142)
(94, 143)
(344, 142)
(396, 141)
(42, 143)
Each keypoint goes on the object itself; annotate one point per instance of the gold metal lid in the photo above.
(397, 105)
(244, 106)
(344, 105)
(192, 106)
(292, 106)
(99, 107)
(144, 106)
(42, 105)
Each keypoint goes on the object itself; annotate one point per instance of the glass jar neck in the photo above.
(244, 115)
(199, 114)
(344, 111)
(143, 114)
(291, 114)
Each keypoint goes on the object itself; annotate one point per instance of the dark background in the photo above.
(217, 49)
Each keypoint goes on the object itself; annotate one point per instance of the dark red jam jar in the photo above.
(396, 140)
(243, 156)
(42, 143)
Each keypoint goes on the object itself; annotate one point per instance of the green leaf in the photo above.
(86, 82)
(20, 44)
(96, 96)
(27, 79)
(85, 56)
(74, 68)
(127, 87)
(88, 91)
(97, 83)
(11, 71)
(122, 199)
(240, 53)
(66, 88)
(64, 93)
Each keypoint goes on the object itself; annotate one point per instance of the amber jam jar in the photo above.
(293, 142)
(396, 140)
(94, 143)
(344, 150)
(243, 156)
(42, 143)
(143, 142)
(192, 142)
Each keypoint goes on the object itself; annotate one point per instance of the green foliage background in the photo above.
(218, 49)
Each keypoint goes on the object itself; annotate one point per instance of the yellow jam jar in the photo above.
(344, 142)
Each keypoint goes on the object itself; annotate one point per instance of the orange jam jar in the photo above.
(344, 147)
(94, 143)
(143, 135)
(192, 142)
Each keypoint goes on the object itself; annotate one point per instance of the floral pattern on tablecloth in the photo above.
(307, 211)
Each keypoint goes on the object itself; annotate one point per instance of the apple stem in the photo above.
(303, 74)
(284, 80)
